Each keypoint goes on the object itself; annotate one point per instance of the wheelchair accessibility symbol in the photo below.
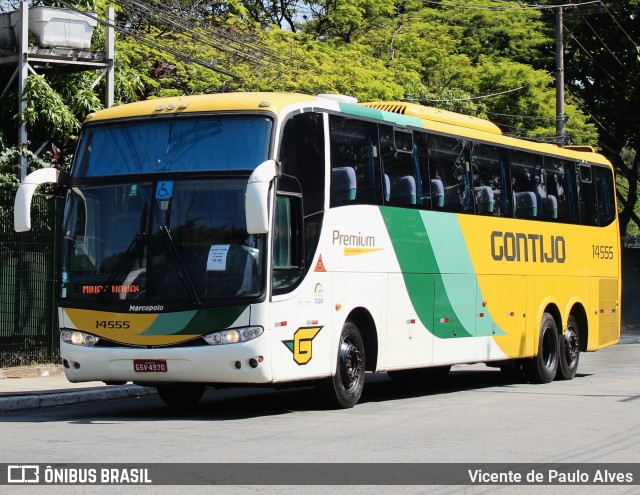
(164, 190)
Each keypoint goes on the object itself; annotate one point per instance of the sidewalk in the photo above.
(29, 387)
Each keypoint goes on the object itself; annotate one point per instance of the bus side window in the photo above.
(288, 262)
(528, 184)
(561, 194)
(487, 164)
(302, 154)
(449, 174)
(587, 196)
(605, 189)
(398, 166)
(425, 188)
(354, 144)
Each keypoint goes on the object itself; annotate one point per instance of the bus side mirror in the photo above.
(256, 200)
(24, 196)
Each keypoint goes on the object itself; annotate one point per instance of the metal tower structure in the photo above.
(33, 59)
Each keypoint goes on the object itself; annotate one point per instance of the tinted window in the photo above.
(399, 178)
(449, 169)
(421, 158)
(561, 190)
(303, 161)
(527, 182)
(490, 176)
(174, 144)
(302, 157)
(355, 166)
(587, 196)
(605, 189)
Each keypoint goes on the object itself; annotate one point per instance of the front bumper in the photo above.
(203, 364)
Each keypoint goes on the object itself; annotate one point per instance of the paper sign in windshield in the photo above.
(217, 260)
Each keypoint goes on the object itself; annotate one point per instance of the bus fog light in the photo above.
(233, 336)
(79, 338)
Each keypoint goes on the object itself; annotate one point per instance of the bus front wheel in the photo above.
(344, 388)
(542, 368)
(182, 395)
(569, 351)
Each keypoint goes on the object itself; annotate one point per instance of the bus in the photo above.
(285, 239)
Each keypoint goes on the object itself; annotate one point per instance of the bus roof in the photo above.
(271, 102)
(399, 113)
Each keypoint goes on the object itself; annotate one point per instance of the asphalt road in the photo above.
(472, 417)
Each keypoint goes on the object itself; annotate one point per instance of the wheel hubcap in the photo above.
(571, 344)
(350, 364)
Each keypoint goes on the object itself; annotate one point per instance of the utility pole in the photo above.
(23, 74)
(560, 116)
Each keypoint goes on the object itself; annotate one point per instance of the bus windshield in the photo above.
(169, 242)
(176, 144)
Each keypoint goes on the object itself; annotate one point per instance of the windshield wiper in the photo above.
(135, 250)
(177, 261)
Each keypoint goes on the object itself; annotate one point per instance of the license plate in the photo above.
(150, 365)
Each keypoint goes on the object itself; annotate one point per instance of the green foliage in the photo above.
(10, 166)
(484, 61)
(46, 110)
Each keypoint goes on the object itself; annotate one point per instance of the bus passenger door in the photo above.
(299, 310)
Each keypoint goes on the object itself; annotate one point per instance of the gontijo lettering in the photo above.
(510, 246)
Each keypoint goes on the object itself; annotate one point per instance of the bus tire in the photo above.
(569, 351)
(181, 396)
(543, 366)
(343, 390)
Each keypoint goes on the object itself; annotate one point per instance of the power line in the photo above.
(474, 97)
(153, 44)
(598, 123)
(238, 46)
(602, 41)
(518, 6)
(621, 28)
(597, 63)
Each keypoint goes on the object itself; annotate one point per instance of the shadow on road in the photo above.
(245, 403)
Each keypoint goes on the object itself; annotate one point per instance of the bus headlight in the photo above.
(78, 338)
(233, 336)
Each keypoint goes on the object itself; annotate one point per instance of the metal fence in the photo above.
(28, 284)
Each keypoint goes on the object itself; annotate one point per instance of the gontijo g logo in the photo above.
(301, 345)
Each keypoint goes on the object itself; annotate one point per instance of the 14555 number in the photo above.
(113, 324)
(602, 252)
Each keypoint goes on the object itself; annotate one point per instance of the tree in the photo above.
(489, 59)
(603, 70)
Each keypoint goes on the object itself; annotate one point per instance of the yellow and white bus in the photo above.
(261, 238)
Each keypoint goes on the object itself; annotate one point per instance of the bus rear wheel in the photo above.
(569, 351)
(542, 368)
(344, 388)
(182, 395)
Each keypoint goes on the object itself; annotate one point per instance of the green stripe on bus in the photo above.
(439, 276)
(200, 322)
(374, 113)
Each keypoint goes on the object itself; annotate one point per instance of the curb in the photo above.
(33, 401)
